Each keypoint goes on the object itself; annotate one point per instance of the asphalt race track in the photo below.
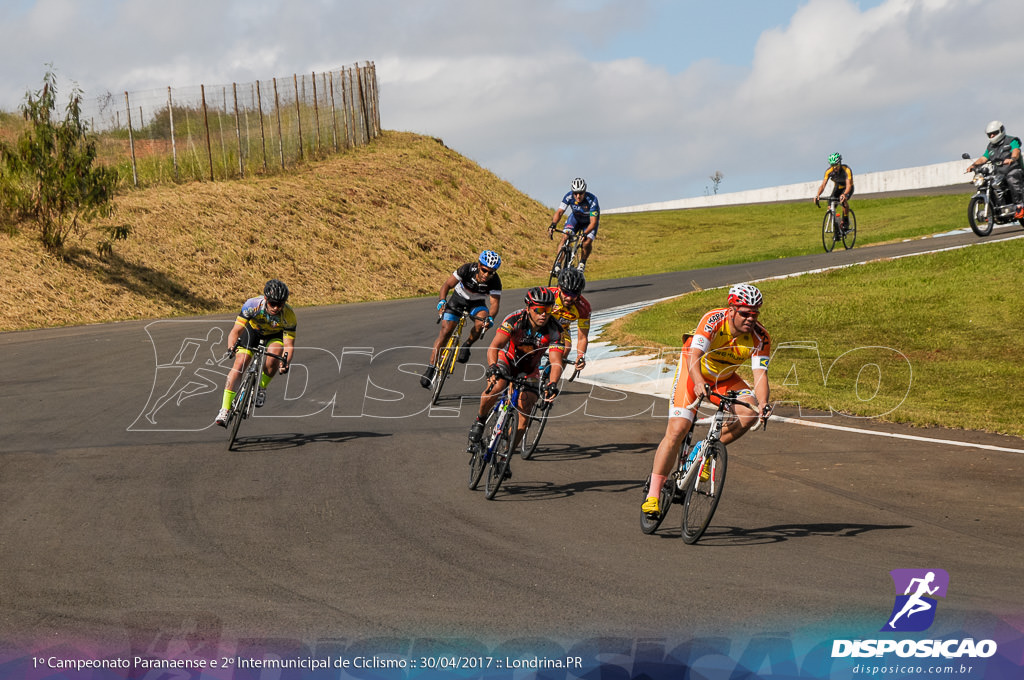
(345, 512)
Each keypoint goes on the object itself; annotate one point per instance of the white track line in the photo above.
(616, 312)
(895, 435)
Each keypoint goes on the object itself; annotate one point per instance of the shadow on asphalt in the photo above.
(738, 536)
(278, 442)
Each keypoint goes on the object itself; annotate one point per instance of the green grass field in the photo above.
(673, 240)
(931, 340)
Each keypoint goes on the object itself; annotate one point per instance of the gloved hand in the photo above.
(498, 371)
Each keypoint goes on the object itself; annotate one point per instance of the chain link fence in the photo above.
(215, 132)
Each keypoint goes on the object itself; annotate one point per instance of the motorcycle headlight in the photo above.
(979, 180)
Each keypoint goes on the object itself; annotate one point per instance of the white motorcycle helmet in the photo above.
(995, 131)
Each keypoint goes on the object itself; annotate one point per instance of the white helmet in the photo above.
(579, 184)
(995, 131)
(745, 295)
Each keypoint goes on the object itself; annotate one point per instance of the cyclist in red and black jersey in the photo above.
(519, 344)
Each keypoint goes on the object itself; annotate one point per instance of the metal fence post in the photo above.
(170, 119)
(277, 107)
(263, 135)
(131, 138)
(206, 124)
(238, 130)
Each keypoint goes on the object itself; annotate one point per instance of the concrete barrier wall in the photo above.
(922, 177)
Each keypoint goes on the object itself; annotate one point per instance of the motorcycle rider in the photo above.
(1004, 153)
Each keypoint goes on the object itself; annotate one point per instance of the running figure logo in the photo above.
(914, 609)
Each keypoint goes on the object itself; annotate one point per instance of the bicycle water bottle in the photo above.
(693, 453)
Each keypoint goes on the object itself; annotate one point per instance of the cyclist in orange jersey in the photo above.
(724, 339)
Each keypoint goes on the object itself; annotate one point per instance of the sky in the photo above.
(645, 99)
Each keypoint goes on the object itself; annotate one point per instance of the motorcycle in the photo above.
(992, 202)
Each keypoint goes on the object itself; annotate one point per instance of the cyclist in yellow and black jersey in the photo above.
(570, 306)
(268, 318)
(842, 184)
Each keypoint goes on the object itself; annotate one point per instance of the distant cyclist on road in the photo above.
(519, 344)
(475, 286)
(1004, 153)
(723, 340)
(269, 318)
(570, 306)
(584, 214)
(842, 184)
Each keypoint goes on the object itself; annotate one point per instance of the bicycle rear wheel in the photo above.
(478, 461)
(702, 495)
(500, 458)
(534, 428)
(650, 523)
(828, 233)
(850, 232)
(240, 405)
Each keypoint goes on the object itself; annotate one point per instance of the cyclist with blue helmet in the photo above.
(584, 214)
(475, 286)
(842, 184)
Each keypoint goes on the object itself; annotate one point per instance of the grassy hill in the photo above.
(389, 220)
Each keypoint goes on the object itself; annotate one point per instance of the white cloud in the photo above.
(895, 84)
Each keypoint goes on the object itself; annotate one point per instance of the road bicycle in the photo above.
(696, 484)
(244, 402)
(568, 255)
(494, 450)
(832, 230)
(447, 355)
(540, 413)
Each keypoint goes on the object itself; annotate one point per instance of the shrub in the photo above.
(48, 174)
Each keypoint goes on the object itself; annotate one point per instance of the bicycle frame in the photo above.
(245, 398)
(832, 230)
(699, 497)
(501, 441)
(448, 353)
(567, 254)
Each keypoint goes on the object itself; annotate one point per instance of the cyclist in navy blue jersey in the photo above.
(584, 214)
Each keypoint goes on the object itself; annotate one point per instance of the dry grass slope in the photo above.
(390, 220)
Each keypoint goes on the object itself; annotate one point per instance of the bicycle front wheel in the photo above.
(559, 263)
(702, 495)
(240, 406)
(500, 459)
(478, 461)
(850, 232)
(534, 428)
(444, 366)
(828, 232)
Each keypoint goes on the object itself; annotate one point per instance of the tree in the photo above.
(49, 175)
(716, 179)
